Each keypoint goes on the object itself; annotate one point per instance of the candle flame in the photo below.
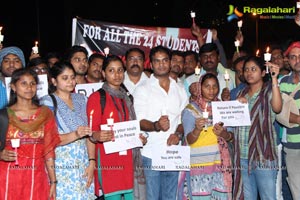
(267, 50)
(15, 134)
(0, 28)
(111, 114)
(257, 52)
(36, 43)
(92, 112)
(106, 51)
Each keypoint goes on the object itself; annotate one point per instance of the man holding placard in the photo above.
(158, 104)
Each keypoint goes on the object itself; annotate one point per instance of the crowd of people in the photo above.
(60, 151)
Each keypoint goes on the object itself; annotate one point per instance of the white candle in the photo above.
(1, 36)
(35, 49)
(237, 44)
(240, 24)
(197, 71)
(106, 51)
(110, 120)
(91, 120)
(110, 123)
(226, 75)
(205, 113)
(267, 57)
(193, 15)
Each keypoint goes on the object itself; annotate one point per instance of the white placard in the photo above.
(231, 113)
(126, 136)
(42, 87)
(88, 88)
(171, 158)
(298, 4)
(209, 36)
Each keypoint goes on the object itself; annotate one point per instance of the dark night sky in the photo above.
(26, 21)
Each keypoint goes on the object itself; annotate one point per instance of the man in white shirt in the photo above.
(209, 60)
(158, 104)
(134, 74)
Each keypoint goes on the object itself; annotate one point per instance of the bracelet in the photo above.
(275, 85)
(92, 159)
(53, 182)
(92, 139)
(195, 136)
(229, 139)
(155, 126)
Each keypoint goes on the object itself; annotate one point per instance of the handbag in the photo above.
(288, 106)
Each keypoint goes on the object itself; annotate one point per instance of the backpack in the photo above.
(4, 126)
(103, 96)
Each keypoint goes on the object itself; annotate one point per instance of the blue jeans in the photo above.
(160, 185)
(260, 181)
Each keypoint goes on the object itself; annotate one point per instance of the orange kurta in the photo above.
(38, 139)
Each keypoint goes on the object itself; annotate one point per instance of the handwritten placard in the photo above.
(88, 88)
(42, 87)
(231, 113)
(126, 136)
(171, 158)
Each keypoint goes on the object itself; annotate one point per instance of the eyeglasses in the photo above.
(294, 57)
(41, 70)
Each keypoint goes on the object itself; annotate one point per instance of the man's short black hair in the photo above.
(208, 47)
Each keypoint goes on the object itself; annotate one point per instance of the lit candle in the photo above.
(205, 116)
(110, 123)
(267, 57)
(240, 24)
(1, 36)
(226, 77)
(257, 53)
(197, 71)
(237, 44)
(15, 143)
(106, 51)
(35, 49)
(91, 120)
(193, 15)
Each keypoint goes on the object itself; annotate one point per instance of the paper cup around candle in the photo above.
(15, 143)
(110, 121)
(205, 115)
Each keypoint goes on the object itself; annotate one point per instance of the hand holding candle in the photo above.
(110, 123)
(193, 15)
(1, 36)
(267, 57)
(35, 49)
